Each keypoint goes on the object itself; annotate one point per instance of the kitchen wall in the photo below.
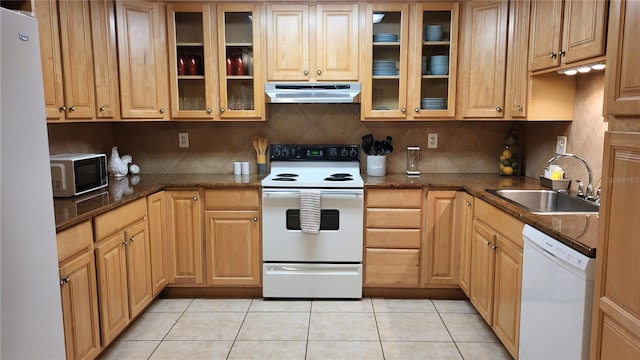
(463, 146)
(585, 134)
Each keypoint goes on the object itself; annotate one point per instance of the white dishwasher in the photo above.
(557, 295)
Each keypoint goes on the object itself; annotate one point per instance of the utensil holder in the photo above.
(261, 159)
(376, 165)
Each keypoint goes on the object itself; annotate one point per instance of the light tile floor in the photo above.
(370, 328)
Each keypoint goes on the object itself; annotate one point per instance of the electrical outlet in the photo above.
(183, 140)
(561, 145)
(432, 141)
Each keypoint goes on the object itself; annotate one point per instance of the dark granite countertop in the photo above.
(576, 231)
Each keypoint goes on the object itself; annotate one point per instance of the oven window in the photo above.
(329, 219)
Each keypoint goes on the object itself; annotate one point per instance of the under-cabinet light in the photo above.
(582, 69)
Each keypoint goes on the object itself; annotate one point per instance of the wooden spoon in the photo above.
(255, 145)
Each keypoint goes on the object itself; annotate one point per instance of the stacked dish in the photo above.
(433, 103)
(433, 33)
(385, 37)
(439, 65)
(384, 67)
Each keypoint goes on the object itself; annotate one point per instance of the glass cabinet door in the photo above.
(434, 71)
(192, 66)
(240, 72)
(384, 93)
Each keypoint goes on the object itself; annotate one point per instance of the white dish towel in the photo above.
(310, 211)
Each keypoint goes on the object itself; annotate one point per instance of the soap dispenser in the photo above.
(510, 156)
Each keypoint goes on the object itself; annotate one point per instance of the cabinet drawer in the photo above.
(236, 199)
(392, 267)
(393, 218)
(394, 198)
(499, 221)
(118, 219)
(74, 240)
(393, 238)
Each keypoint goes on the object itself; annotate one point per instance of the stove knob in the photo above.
(353, 152)
(344, 152)
(276, 152)
(285, 152)
(333, 152)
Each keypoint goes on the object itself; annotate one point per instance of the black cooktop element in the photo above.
(339, 177)
(286, 175)
(284, 179)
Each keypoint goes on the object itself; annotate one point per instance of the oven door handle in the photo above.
(290, 193)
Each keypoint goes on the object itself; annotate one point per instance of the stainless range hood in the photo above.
(312, 93)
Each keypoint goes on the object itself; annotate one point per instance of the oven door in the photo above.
(340, 238)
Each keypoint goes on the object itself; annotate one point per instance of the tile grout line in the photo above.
(246, 313)
(455, 343)
(171, 328)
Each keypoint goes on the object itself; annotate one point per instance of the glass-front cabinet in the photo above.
(432, 84)
(240, 73)
(410, 65)
(192, 61)
(384, 94)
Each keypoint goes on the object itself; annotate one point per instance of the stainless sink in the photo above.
(546, 202)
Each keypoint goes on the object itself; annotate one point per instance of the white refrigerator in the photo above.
(30, 305)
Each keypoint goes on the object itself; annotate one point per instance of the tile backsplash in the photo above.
(463, 146)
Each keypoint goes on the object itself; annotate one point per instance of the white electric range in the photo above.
(318, 185)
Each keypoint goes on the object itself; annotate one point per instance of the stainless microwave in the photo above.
(75, 174)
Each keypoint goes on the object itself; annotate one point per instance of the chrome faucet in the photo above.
(588, 194)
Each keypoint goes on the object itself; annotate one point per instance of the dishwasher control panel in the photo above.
(556, 248)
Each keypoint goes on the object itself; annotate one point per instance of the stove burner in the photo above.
(340, 175)
(286, 175)
(284, 179)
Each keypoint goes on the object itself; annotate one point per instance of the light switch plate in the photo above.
(561, 145)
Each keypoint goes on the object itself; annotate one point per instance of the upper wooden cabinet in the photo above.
(78, 59)
(432, 80)
(142, 53)
(622, 79)
(330, 53)
(240, 59)
(566, 31)
(483, 46)
(517, 81)
(193, 71)
(385, 49)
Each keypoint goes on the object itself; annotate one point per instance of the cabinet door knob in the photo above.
(416, 110)
(306, 72)
(488, 242)
(519, 108)
(72, 108)
(554, 55)
(562, 53)
(209, 110)
(319, 72)
(65, 280)
(125, 243)
(498, 109)
(221, 109)
(101, 109)
(493, 247)
(195, 198)
(161, 110)
(404, 110)
(468, 204)
(62, 108)
(255, 218)
(131, 239)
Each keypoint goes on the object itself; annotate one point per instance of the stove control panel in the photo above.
(314, 152)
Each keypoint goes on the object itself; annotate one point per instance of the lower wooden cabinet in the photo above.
(156, 210)
(495, 284)
(442, 239)
(393, 225)
(464, 212)
(616, 306)
(124, 267)
(232, 237)
(79, 294)
(184, 231)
